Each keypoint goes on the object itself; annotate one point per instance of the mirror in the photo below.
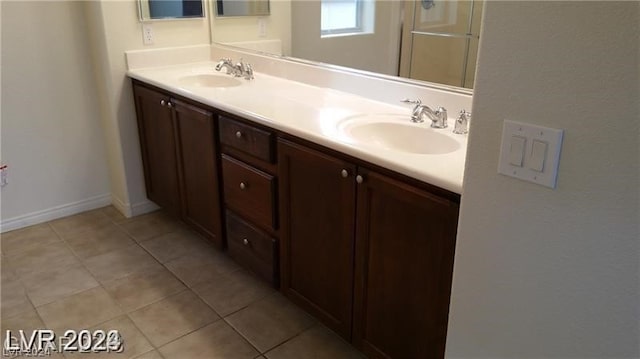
(427, 40)
(242, 7)
(170, 9)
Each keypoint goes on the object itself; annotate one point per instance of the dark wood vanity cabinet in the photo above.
(198, 169)
(250, 196)
(368, 254)
(367, 251)
(180, 159)
(317, 203)
(156, 129)
(405, 241)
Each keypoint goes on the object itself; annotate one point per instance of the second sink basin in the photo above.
(396, 132)
(209, 80)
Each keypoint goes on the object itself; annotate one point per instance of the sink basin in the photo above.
(209, 80)
(397, 133)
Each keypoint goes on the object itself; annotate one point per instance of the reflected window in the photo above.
(342, 17)
(168, 9)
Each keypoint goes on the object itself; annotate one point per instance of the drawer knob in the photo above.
(245, 242)
(359, 179)
(169, 104)
(238, 134)
(344, 173)
(243, 185)
(163, 102)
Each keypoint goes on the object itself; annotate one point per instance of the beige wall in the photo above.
(544, 273)
(241, 29)
(51, 136)
(115, 28)
(377, 51)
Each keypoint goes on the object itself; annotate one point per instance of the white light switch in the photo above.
(262, 27)
(530, 153)
(516, 153)
(538, 154)
(147, 34)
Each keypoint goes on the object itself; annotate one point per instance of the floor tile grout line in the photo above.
(146, 337)
(290, 339)
(249, 304)
(86, 230)
(159, 211)
(247, 339)
(187, 287)
(101, 285)
(241, 336)
(188, 333)
(22, 284)
(154, 301)
(133, 241)
(223, 318)
(164, 298)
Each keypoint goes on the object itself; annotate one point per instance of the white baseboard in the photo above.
(121, 206)
(55, 212)
(143, 207)
(130, 210)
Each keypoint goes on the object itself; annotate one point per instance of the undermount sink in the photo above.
(209, 80)
(397, 133)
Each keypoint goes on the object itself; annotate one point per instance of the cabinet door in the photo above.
(317, 212)
(199, 170)
(157, 142)
(405, 240)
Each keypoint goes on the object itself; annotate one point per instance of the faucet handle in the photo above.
(414, 102)
(441, 118)
(462, 123)
(248, 72)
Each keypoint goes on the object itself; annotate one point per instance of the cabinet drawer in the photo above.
(248, 139)
(249, 192)
(252, 248)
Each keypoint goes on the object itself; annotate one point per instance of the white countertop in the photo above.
(313, 113)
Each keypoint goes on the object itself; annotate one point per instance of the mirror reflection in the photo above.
(428, 40)
(242, 7)
(170, 9)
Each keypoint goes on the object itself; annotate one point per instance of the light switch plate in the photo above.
(528, 172)
(147, 34)
(262, 27)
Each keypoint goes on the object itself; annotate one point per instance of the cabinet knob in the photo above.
(359, 179)
(344, 173)
(245, 242)
(163, 102)
(243, 185)
(169, 104)
(238, 134)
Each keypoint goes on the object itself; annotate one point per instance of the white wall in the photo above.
(245, 28)
(541, 272)
(377, 51)
(51, 135)
(69, 132)
(114, 28)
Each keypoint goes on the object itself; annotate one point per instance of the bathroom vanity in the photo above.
(276, 181)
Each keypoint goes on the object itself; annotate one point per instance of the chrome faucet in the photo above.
(438, 117)
(245, 70)
(462, 123)
(226, 63)
(240, 69)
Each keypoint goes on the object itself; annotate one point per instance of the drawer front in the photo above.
(249, 192)
(248, 139)
(252, 248)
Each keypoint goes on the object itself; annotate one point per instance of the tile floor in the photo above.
(168, 292)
